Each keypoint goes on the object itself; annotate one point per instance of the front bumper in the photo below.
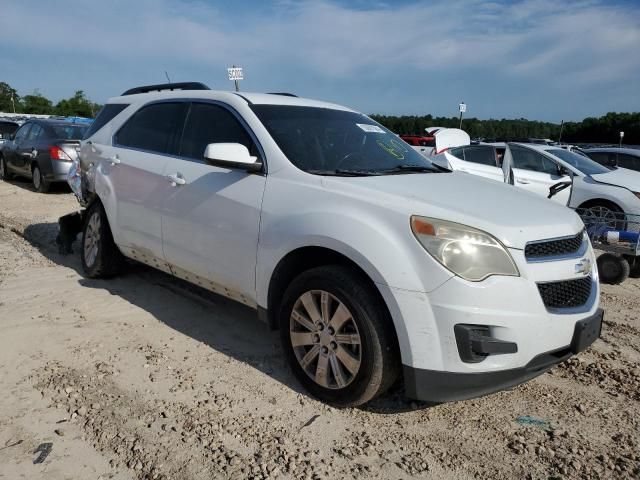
(441, 386)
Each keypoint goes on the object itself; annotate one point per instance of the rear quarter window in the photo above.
(105, 115)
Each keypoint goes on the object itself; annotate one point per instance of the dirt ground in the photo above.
(143, 377)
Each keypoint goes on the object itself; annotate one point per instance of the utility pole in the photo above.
(560, 137)
(463, 108)
(13, 103)
(621, 137)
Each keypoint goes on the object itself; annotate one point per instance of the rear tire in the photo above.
(39, 183)
(634, 266)
(612, 269)
(345, 351)
(100, 255)
(5, 174)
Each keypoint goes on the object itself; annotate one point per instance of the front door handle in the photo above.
(115, 160)
(524, 182)
(176, 179)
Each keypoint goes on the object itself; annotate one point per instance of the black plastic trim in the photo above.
(438, 386)
(166, 86)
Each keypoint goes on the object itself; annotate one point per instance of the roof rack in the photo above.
(284, 94)
(167, 86)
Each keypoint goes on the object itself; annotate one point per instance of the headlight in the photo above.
(469, 253)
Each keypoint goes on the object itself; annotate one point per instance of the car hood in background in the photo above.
(620, 177)
(510, 214)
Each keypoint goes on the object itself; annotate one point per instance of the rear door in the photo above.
(15, 161)
(133, 169)
(536, 173)
(211, 218)
(481, 160)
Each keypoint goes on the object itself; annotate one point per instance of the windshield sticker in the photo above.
(393, 147)
(370, 128)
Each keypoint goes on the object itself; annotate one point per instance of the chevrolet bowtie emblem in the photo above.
(584, 267)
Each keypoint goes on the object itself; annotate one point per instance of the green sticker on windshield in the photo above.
(393, 147)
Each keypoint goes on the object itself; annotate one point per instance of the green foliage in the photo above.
(78, 105)
(6, 92)
(36, 103)
(605, 129)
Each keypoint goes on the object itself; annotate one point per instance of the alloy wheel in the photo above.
(325, 339)
(37, 178)
(92, 239)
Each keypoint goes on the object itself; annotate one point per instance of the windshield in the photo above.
(583, 164)
(69, 132)
(328, 142)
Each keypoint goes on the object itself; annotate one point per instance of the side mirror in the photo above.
(231, 155)
(563, 171)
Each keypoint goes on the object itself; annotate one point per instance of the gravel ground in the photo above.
(145, 377)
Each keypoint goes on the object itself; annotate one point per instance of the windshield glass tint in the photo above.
(322, 140)
(583, 164)
(69, 132)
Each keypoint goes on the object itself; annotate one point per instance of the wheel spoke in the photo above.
(305, 322)
(348, 338)
(310, 356)
(299, 339)
(337, 370)
(340, 317)
(351, 363)
(311, 308)
(322, 370)
(324, 306)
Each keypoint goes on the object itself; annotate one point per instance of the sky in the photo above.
(548, 60)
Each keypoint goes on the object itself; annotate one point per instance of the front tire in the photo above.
(4, 171)
(337, 336)
(39, 183)
(612, 269)
(99, 254)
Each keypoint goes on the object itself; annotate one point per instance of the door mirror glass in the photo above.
(231, 155)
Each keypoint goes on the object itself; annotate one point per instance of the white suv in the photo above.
(372, 262)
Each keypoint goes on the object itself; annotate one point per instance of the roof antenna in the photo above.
(167, 75)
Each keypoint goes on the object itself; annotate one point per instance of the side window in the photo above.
(481, 155)
(208, 123)
(457, 152)
(601, 157)
(35, 133)
(155, 127)
(628, 161)
(527, 159)
(22, 133)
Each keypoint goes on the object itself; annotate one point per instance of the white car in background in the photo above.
(538, 167)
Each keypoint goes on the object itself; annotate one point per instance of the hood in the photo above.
(620, 177)
(512, 215)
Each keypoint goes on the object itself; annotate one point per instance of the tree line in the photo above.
(36, 103)
(604, 129)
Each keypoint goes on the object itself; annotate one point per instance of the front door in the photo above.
(536, 173)
(211, 217)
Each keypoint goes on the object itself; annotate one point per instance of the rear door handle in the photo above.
(524, 182)
(115, 160)
(176, 179)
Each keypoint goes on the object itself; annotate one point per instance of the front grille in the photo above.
(567, 293)
(553, 248)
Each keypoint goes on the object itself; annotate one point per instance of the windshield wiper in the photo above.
(412, 168)
(341, 172)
